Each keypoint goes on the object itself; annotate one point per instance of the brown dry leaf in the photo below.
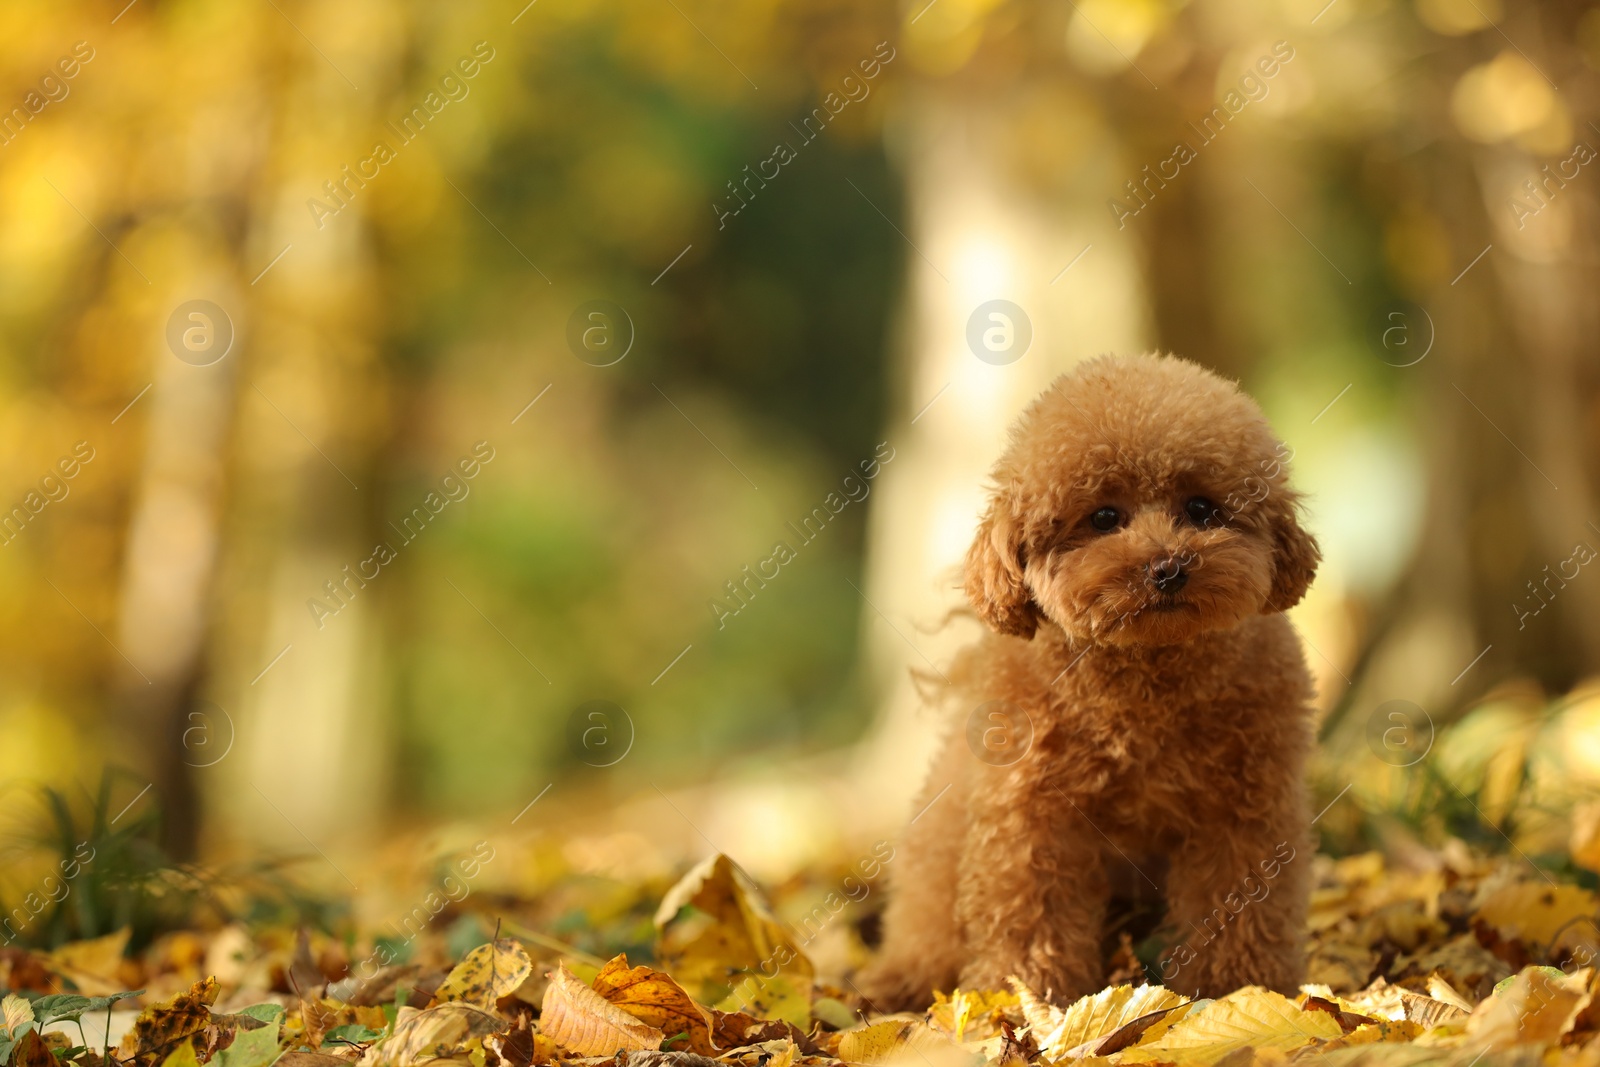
(93, 966)
(1144, 1028)
(735, 1029)
(656, 999)
(161, 1028)
(1251, 1018)
(449, 1031)
(585, 1023)
(714, 923)
(1439, 989)
(1348, 1021)
(1537, 1006)
(486, 974)
(1535, 911)
(1429, 1012)
(1092, 1018)
(31, 1051)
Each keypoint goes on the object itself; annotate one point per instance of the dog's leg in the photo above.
(921, 945)
(1238, 898)
(1033, 889)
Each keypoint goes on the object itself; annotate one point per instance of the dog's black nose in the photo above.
(1167, 575)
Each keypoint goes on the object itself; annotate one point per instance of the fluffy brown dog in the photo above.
(1142, 695)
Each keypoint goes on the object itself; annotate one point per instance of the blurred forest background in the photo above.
(1393, 242)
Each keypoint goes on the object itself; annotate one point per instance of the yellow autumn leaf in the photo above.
(1537, 1006)
(93, 966)
(1253, 1017)
(587, 1024)
(894, 1040)
(1091, 1018)
(448, 1030)
(786, 998)
(654, 998)
(182, 1056)
(971, 1014)
(17, 1011)
(486, 974)
(1536, 912)
(715, 923)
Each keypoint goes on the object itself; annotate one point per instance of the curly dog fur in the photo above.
(1139, 549)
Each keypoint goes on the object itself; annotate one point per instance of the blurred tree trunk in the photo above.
(1005, 191)
(247, 499)
(1512, 393)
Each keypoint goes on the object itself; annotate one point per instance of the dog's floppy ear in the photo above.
(994, 582)
(1294, 559)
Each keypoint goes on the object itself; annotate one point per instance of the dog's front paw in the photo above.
(891, 985)
(1060, 980)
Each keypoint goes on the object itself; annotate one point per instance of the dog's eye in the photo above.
(1105, 520)
(1203, 512)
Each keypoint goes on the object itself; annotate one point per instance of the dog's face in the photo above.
(1142, 501)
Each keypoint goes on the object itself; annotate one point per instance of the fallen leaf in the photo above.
(1091, 1018)
(1144, 1028)
(1382, 1031)
(787, 998)
(160, 1028)
(182, 1056)
(486, 974)
(892, 1041)
(1250, 1018)
(654, 998)
(1347, 1020)
(252, 1048)
(583, 1022)
(715, 923)
(16, 1011)
(652, 1058)
(31, 1051)
(973, 1015)
(311, 1059)
(1429, 1012)
(735, 1029)
(93, 966)
(1535, 912)
(443, 1032)
(1535, 1006)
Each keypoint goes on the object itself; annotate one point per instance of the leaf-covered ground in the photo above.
(1459, 959)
